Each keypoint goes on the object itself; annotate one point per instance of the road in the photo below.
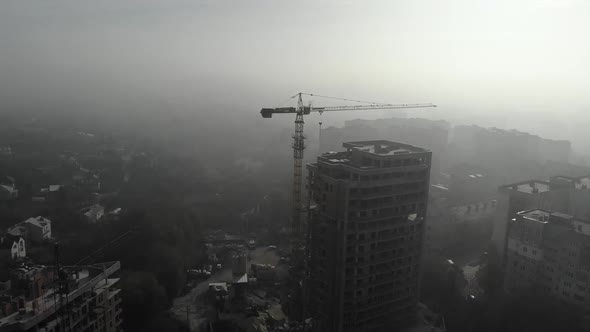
(197, 309)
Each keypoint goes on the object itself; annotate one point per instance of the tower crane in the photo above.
(298, 140)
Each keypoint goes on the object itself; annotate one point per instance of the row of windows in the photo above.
(402, 209)
(391, 162)
(384, 244)
(364, 204)
(384, 309)
(403, 262)
(379, 190)
(393, 295)
(403, 229)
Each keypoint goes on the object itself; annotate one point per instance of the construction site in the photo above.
(351, 259)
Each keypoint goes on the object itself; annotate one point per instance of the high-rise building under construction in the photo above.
(365, 235)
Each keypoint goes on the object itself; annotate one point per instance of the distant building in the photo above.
(445, 221)
(93, 213)
(8, 192)
(561, 194)
(8, 189)
(577, 191)
(90, 302)
(549, 253)
(37, 229)
(366, 230)
(489, 143)
(526, 195)
(470, 184)
(429, 134)
(47, 193)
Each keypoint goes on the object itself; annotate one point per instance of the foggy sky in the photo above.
(492, 58)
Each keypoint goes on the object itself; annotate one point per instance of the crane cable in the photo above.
(336, 98)
(92, 254)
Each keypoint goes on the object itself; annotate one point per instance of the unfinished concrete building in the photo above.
(365, 238)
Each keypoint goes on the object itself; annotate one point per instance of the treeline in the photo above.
(156, 240)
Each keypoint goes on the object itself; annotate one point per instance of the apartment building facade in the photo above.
(365, 235)
(549, 253)
(88, 301)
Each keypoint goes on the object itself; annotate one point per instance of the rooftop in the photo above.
(85, 278)
(580, 182)
(383, 148)
(17, 230)
(556, 218)
(8, 188)
(38, 221)
(529, 187)
(536, 215)
(440, 187)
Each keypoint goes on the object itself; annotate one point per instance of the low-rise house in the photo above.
(35, 229)
(8, 189)
(12, 248)
(93, 213)
(8, 192)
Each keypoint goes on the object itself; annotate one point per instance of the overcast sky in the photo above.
(494, 57)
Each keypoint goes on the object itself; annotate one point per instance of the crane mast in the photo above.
(298, 147)
(299, 143)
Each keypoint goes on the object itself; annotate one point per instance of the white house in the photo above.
(36, 229)
(93, 213)
(8, 191)
(14, 246)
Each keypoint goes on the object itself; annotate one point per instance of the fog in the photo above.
(480, 61)
(133, 129)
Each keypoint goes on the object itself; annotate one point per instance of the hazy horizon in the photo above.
(493, 63)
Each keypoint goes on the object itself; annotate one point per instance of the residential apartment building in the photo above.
(88, 300)
(366, 230)
(562, 194)
(550, 253)
(515, 197)
(485, 144)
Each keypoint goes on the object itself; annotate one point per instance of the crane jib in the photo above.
(268, 112)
